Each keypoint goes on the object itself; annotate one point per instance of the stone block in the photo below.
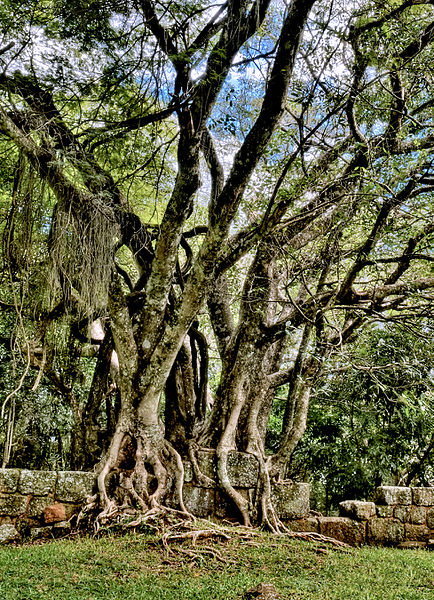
(39, 533)
(411, 545)
(37, 506)
(384, 512)
(54, 513)
(243, 470)
(8, 533)
(309, 524)
(199, 501)
(430, 518)
(389, 494)
(417, 533)
(188, 471)
(13, 505)
(402, 513)
(9, 480)
(37, 483)
(418, 515)
(74, 486)
(423, 496)
(206, 461)
(343, 529)
(356, 509)
(61, 528)
(291, 500)
(385, 532)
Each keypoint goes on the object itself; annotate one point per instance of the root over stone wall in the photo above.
(41, 503)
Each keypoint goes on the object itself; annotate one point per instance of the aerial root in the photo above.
(128, 485)
(178, 476)
(269, 517)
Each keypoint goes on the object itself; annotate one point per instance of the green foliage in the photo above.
(371, 419)
(43, 422)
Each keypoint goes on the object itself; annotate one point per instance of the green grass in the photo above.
(134, 567)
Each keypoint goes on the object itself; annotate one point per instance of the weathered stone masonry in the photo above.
(398, 516)
(291, 499)
(40, 503)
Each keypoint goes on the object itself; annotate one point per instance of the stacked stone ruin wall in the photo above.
(41, 504)
(397, 516)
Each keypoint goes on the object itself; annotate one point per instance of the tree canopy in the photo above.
(205, 207)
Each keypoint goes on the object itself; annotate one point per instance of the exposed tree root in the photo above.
(148, 474)
(263, 512)
(187, 530)
(173, 528)
(201, 479)
(223, 478)
(312, 536)
(269, 517)
(194, 535)
(259, 510)
(149, 479)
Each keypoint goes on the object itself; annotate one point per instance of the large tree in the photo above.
(296, 211)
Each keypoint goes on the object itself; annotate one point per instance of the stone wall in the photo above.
(202, 499)
(397, 516)
(40, 503)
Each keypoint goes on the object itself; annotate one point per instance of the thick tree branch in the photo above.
(272, 108)
(209, 31)
(373, 236)
(375, 23)
(425, 38)
(397, 111)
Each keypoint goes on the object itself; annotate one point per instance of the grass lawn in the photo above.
(137, 567)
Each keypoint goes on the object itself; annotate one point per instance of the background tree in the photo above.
(378, 395)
